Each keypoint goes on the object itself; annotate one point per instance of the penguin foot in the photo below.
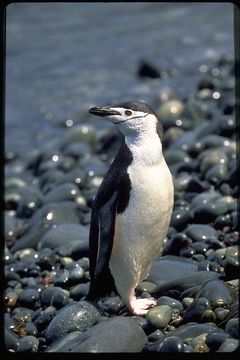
(141, 306)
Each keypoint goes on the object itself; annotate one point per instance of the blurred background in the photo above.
(62, 58)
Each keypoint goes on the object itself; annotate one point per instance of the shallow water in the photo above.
(62, 58)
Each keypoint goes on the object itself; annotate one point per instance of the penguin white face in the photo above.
(132, 118)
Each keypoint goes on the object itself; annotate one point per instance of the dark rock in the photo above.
(28, 344)
(173, 303)
(229, 345)
(66, 191)
(175, 244)
(232, 328)
(28, 297)
(217, 292)
(159, 316)
(192, 329)
(49, 292)
(169, 268)
(79, 291)
(171, 344)
(195, 311)
(11, 340)
(198, 232)
(78, 316)
(214, 341)
(43, 219)
(116, 334)
(148, 70)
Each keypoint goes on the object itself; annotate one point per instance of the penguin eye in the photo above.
(128, 112)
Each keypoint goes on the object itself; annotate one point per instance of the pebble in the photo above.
(195, 311)
(70, 234)
(66, 191)
(173, 303)
(28, 344)
(113, 335)
(43, 219)
(28, 297)
(232, 328)
(217, 293)
(76, 317)
(49, 292)
(159, 316)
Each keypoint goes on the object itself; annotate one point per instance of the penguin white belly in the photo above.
(142, 227)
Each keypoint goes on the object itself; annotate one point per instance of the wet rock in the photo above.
(156, 336)
(232, 328)
(229, 345)
(176, 243)
(169, 268)
(180, 218)
(48, 293)
(170, 109)
(112, 305)
(43, 219)
(78, 316)
(83, 133)
(59, 299)
(46, 259)
(10, 298)
(173, 303)
(70, 234)
(79, 291)
(217, 292)
(28, 344)
(171, 344)
(214, 341)
(11, 340)
(195, 311)
(182, 283)
(149, 70)
(116, 334)
(13, 227)
(66, 191)
(159, 316)
(77, 150)
(199, 232)
(28, 297)
(192, 329)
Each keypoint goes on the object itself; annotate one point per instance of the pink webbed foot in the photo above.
(141, 306)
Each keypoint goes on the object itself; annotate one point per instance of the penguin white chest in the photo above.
(142, 227)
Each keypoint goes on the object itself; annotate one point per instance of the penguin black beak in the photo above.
(103, 111)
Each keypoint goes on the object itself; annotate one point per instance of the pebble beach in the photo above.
(51, 179)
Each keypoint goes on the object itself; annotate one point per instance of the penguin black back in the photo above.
(112, 197)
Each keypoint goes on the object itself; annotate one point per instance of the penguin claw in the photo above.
(141, 306)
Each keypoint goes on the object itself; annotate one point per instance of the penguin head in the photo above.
(132, 118)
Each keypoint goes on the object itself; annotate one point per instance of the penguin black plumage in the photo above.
(132, 209)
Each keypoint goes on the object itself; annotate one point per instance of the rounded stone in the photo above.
(232, 328)
(171, 344)
(116, 334)
(67, 191)
(79, 291)
(159, 316)
(79, 316)
(28, 344)
(173, 303)
(28, 297)
(49, 292)
(170, 109)
(196, 310)
(217, 293)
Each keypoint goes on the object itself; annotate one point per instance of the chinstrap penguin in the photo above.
(132, 209)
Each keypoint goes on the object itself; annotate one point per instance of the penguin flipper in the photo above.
(101, 242)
